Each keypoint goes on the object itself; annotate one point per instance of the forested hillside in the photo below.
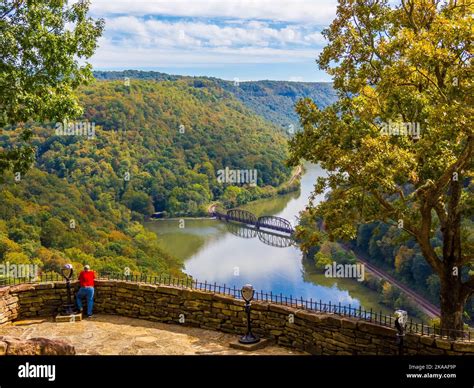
(274, 100)
(151, 146)
(169, 139)
(47, 221)
(386, 247)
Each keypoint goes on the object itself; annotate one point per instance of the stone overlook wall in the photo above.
(315, 333)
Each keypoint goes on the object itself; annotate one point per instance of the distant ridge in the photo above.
(274, 100)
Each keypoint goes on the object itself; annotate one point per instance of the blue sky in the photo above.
(230, 39)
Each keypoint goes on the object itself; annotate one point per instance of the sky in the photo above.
(230, 39)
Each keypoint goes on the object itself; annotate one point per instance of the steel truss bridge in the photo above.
(265, 222)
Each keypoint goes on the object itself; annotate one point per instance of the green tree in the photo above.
(53, 232)
(138, 201)
(40, 44)
(396, 65)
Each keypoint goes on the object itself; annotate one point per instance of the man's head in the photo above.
(87, 267)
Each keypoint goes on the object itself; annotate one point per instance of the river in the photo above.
(214, 251)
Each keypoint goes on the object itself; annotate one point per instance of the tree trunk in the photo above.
(452, 305)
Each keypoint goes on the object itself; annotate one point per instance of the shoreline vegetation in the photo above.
(389, 295)
(320, 251)
(290, 186)
(155, 146)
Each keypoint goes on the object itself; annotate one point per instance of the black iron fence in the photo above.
(280, 299)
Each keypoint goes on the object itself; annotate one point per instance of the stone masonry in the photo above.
(316, 333)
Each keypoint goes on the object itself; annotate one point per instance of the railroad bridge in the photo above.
(266, 222)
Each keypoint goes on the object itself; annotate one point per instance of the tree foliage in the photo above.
(41, 43)
(169, 139)
(47, 221)
(273, 100)
(396, 65)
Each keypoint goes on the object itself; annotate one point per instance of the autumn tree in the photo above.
(398, 145)
(41, 45)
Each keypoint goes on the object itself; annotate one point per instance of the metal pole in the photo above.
(248, 338)
(400, 343)
(68, 287)
(247, 310)
(68, 308)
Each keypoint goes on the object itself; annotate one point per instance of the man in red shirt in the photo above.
(86, 280)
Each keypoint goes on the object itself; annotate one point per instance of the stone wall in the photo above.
(8, 304)
(316, 333)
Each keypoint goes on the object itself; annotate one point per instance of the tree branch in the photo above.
(433, 83)
(410, 14)
(464, 158)
(407, 226)
(441, 213)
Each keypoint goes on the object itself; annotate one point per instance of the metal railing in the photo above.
(280, 299)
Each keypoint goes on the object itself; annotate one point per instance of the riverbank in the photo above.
(422, 304)
(292, 185)
(212, 251)
(218, 252)
(390, 292)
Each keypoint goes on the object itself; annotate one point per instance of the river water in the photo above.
(215, 251)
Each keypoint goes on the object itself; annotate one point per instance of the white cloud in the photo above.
(179, 33)
(131, 56)
(303, 11)
(146, 32)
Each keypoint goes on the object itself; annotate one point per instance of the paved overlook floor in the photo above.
(115, 335)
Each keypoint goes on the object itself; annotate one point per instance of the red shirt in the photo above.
(86, 278)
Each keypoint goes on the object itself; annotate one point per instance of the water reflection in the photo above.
(275, 240)
(241, 231)
(272, 239)
(231, 254)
